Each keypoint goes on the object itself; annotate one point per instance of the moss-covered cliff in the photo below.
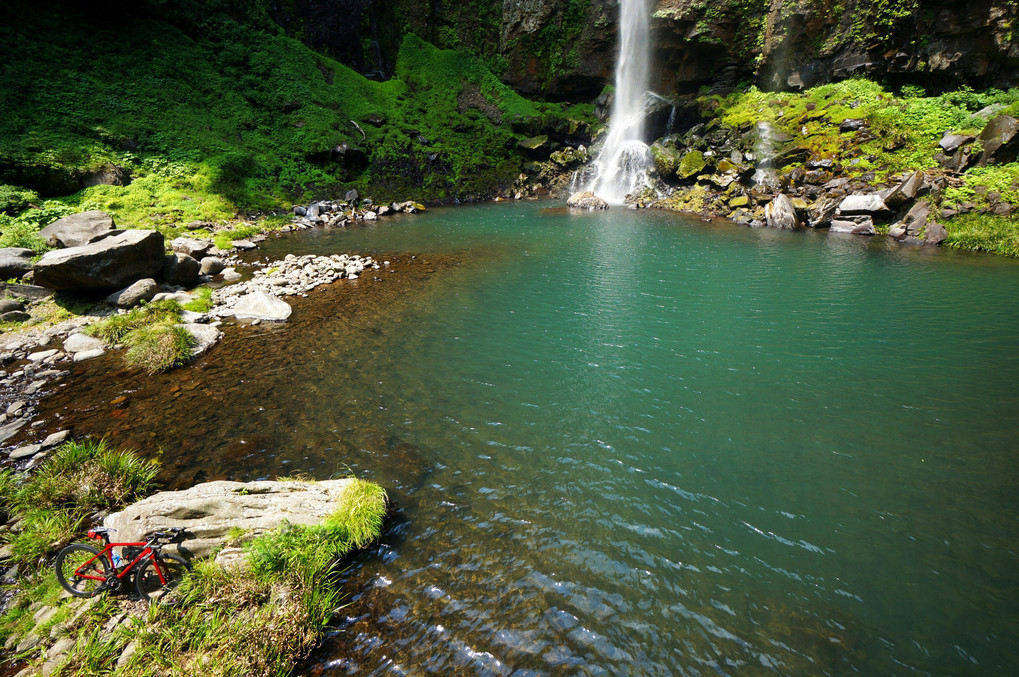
(171, 112)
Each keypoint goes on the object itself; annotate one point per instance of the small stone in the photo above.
(244, 244)
(25, 452)
(42, 355)
(15, 407)
(56, 438)
(89, 354)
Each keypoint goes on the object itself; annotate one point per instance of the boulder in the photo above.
(77, 229)
(108, 175)
(111, 263)
(935, 234)
(7, 305)
(196, 249)
(819, 214)
(907, 190)
(1000, 141)
(213, 512)
(212, 265)
(28, 291)
(952, 142)
(863, 205)
(915, 220)
(135, 293)
(585, 199)
(181, 270)
(15, 316)
(781, 214)
(15, 262)
(261, 306)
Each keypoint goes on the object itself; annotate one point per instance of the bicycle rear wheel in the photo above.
(81, 571)
(147, 580)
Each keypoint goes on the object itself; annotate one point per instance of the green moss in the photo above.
(693, 163)
(211, 117)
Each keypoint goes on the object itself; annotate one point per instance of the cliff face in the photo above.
(565, 49)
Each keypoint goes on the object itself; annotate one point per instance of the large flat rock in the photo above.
(210, 511)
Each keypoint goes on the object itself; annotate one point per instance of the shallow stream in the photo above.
(632, 443)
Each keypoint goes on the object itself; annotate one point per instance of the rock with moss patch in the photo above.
(585, 199)
(215, 512)
(693, 163)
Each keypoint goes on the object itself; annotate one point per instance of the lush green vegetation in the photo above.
(212, 117)
(903, 131)
(900, 133)
(70, 486)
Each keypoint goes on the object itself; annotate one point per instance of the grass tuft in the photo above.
(159, 347)
(79, 479)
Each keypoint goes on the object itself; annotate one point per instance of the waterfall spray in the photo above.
(622, 164)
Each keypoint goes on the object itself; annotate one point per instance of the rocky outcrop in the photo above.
(585, 199)
(214, 512)
(77, 229)
(111, 263)
(781, 214)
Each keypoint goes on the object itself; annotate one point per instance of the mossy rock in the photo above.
(666, 159)
(739, 201)
(692, 163)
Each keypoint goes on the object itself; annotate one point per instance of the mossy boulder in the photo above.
(693, 163)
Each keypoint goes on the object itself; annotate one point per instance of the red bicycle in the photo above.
(85, 571)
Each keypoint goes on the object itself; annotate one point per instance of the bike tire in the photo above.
(74, 560)
(147, 580)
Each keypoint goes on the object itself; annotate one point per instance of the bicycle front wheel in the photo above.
(151, 586)
(81, 570)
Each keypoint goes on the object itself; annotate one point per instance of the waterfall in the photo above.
(621, 166)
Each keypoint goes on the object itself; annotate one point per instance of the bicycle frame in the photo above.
(148, 552)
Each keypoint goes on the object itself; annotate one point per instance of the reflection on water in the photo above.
(629, 443)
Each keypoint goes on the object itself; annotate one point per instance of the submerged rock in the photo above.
(586, 200)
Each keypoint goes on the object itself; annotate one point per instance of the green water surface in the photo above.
(661, 446)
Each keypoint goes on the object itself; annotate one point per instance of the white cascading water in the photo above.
(621, 167)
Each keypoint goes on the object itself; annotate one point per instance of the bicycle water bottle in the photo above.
(117, 561)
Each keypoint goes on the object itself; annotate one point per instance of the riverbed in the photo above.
(629, 442)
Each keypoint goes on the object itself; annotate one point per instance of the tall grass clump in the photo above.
(80, 479)
(156, 343)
